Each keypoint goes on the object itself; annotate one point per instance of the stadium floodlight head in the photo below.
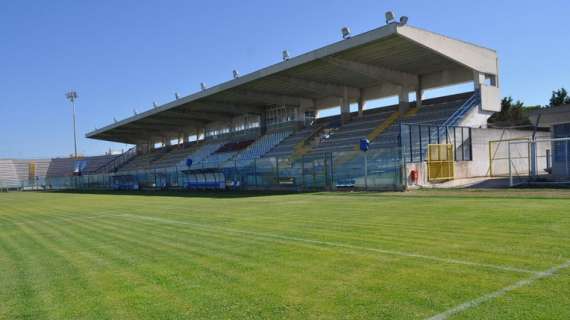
(403, 20)
(176, 95)
(71, 96)
(203, 86)
(236, 74)
(345, 32)
(285, 55)
(389, 17)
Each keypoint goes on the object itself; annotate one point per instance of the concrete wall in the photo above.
(480, 165)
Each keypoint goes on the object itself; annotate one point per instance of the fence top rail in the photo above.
(520, 140)
(427, 124)
(541, 140)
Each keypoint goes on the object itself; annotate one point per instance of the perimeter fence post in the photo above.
(303, 172)
(566, 158)
(509, 161)
(366, 171)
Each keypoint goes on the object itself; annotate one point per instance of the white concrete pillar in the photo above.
(361, 103)
(345, 107)
(263, 122)
(478, 80)
(404, 100)
(419, 93)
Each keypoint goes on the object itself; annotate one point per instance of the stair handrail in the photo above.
(462, 110)
(117, 161)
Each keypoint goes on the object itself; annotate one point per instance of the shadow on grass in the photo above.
(181, 193)
(465, 194)
(451, 194)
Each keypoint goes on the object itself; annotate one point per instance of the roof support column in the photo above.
(419, 93)
(263, 122)
(345, 107)
(478, 80)
(361, 103)
(404, 100)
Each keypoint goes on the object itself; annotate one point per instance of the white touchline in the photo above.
(523, 283)
(333, 244)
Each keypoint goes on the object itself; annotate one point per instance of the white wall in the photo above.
(480, 165)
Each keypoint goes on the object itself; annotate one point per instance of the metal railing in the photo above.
(118, 161)
(458, 115)
(379, 169)
(415, 139)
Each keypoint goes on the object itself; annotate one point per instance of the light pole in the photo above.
(72, 96)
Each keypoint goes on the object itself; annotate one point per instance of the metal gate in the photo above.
(440, 162)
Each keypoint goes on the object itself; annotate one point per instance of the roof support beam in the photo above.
(379, 73)
(156, 122)
(319, 87)
(210, 106)
(272, 98)
(195, 116)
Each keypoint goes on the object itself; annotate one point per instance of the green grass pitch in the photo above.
(483, 254)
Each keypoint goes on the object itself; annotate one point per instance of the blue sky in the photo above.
(123, 55)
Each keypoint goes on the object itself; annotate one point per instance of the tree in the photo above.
(559, 97)
(511, 114)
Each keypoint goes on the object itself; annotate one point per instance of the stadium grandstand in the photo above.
(271, 128)
(38, 174)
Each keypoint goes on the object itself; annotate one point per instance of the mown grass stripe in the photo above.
(117, 275)
(67, 281)
(335, 244)
(501, 292)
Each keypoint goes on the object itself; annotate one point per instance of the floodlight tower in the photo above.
(72, 96)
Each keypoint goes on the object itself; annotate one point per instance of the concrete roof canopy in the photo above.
(372, 65)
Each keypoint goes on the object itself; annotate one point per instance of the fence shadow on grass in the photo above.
(180, 193)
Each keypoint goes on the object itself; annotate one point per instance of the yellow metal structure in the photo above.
(31, 171)
(440, 162)
(498, 156)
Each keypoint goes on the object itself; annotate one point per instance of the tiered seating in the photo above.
(9, 177)
(203, 153)
(434, 111)
(348, 135)
(64, 167)
(263, 145)
(175, 157)
(41, 168)
(141, 162)
(216, 160)
(287, 146)
(234, 146)
(60, 167)
(94, 163)
(223, 154)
